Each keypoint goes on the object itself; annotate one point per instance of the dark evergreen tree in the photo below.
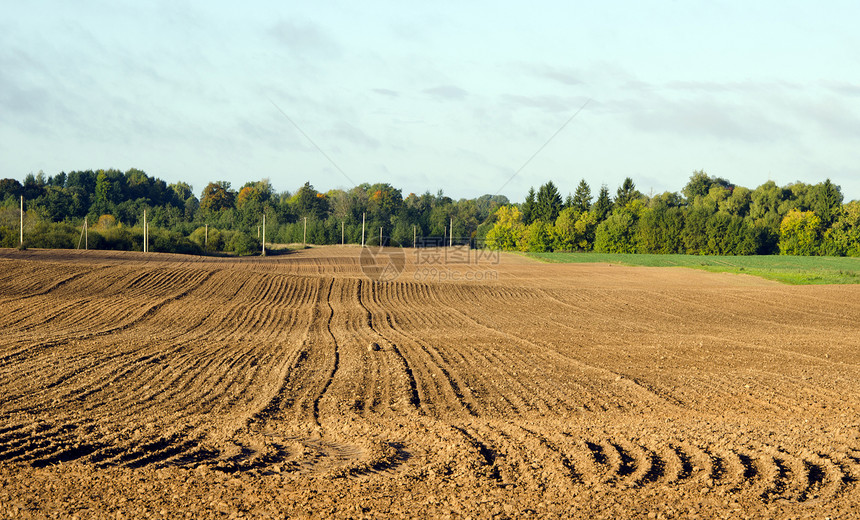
(58, 180)
(827, 202)
(627, 192)
(307, 202)
(548, 203)
(603, 204)
(528, 207)
(582, 198)
(34, 186)
(568, 201)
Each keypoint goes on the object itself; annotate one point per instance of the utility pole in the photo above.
(264, 234)
(144, 232)
(305, 234)
(380, 236)
(414, 236)
(341, 234)
(83, 230)
(22, 221)
(451, 234)
(206, 237)
(362, 225)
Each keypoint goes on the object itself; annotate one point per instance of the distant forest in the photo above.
(710, 215)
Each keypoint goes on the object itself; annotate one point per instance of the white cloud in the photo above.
(450, 92)
(547, 103)
(387, 92)
(563, 75)
(347, 132)
(305, 38)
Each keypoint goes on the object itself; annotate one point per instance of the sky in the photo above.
(467, 97)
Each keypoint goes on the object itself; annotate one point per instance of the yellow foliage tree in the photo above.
(508, 229)
(106, 222)
(247, 194)
(800, 233)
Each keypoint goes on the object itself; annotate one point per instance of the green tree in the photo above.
(581, 201)
(34, 186)
(58, 180)
(618, 234)
(700, 185)
(765, 204)
(308, 202)
(439, 219)
(108, 191)
(528, 208)
(182, 190)
(574, 231)
(660, 229)
(586, 227)
(250, 206)
(564, 231)
(138, 185)
(10, 188)
(767, 208)
(843, 238)
(466, 215)
(667, 199)
(626, 193)
(58, 203)
(738, 203)
(827, 202)
(536, 238)
(603, 204)
(695, 234)
(548, 203)
(401, 234)
(728, 235)
(384, 201)
(488, 204)
(83, 185)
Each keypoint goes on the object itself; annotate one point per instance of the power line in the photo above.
(539, 150)
(320, 150)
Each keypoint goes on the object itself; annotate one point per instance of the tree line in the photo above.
(224, 219)
(709, 215)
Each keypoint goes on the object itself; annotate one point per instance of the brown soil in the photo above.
(310, 385)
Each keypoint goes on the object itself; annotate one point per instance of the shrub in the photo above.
(240, 243)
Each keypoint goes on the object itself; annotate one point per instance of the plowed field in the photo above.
(310, 384)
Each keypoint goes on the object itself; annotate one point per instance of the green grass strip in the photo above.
(794, 270)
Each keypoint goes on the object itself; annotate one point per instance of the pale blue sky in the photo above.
(434, 95)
